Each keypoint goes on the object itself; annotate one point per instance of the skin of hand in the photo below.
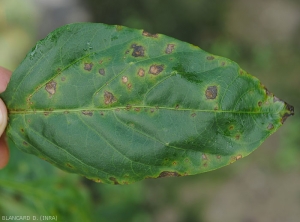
(4, 152)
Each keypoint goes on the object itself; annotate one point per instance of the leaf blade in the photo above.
(119, 105)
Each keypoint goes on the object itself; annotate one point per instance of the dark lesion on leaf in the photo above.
(47, 113)
(138, 50)
(270, 126)
(235, 158)
(102, 72)
(276, 99)
(51, 87)
(149, 34)
(168, 174)
(109, 98)
(97, 180)
(128, 107)
(156, 69)
(124, 79)
(114, 180)
(87, 113)
(141, 72)
(239, 157)
(268, 93)
(69, 165)
(210, 57)
(170, 48)
(88, 66)
(211, 92)
(289, 112)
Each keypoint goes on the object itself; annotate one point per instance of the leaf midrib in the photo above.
(129, 107)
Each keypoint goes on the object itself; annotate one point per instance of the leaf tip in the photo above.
(289, 111)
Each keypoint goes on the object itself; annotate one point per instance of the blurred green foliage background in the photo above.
(262, 36)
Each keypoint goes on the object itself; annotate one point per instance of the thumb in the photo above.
(3, 117)
(4, 153)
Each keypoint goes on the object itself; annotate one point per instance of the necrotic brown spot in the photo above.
(289, 112)
(156, 69)
(87, 113)
(102, 72)
(88, 66)
(238, 157)
(270, 126)
(210, 58)
(168, 174)
(193, 114)
(211, 92)
(170, 48)
(149, 34)
(114, 180)
(46, 113)
(275, 99)
(97, 180)
(128, 107)
(141, 72)
(138, 51)
(69, 165)
(109, 98)
(51, 87)
(63, 78)
(204, 157)
(124, 79)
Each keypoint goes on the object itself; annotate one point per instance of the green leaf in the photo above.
(118, 105)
